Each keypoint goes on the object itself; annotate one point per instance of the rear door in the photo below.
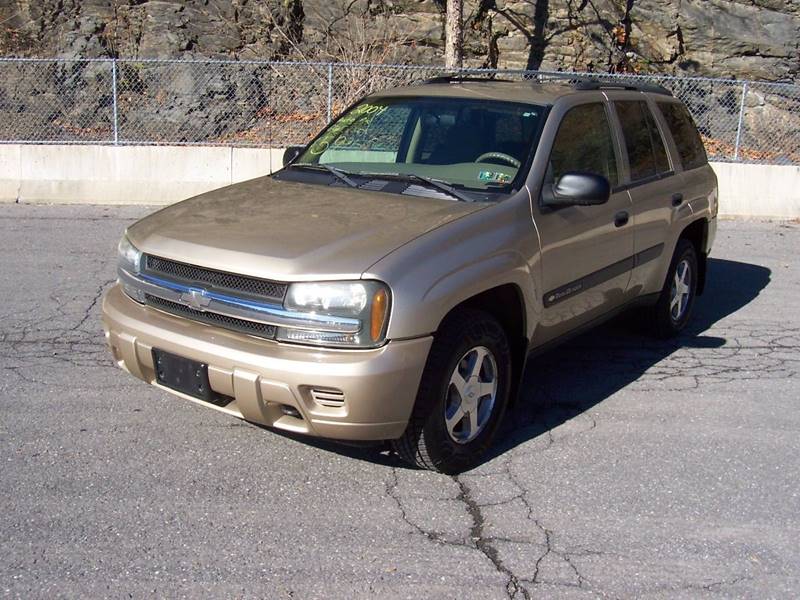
(653, 185)
(585, 250)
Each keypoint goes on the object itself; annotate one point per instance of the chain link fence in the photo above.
(275, 104)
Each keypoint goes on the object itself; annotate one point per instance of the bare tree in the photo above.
(356, 36)
(454, 35)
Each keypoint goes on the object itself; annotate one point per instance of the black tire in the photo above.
(665, 322)
(426, 442)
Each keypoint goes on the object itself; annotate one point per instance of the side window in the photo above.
(687, 139)
(646, 153)
(584, 143)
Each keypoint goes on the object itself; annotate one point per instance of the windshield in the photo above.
(472, 144)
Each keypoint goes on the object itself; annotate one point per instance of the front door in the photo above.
(585, 250)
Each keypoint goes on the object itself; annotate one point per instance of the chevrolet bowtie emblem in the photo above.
(195, 299)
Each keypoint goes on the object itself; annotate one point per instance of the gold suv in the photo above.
(391, 280)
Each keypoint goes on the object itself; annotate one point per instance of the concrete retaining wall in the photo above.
(158, 175)
(758, 190)
(125, 174)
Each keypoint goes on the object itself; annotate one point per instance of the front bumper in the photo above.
(379, 386)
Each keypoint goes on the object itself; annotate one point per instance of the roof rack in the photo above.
(596, 84)
(579, 83)
(455, 78)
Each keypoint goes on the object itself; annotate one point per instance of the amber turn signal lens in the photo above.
(380, 305)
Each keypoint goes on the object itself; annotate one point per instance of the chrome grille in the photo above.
(210, 318)
(242, 284)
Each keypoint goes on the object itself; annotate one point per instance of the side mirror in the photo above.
(291, 153)
(577, 189)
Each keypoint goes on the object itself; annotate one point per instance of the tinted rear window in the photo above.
(646, 153)
(687, 139)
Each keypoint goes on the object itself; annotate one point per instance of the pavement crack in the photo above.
(88, 312)
(477, 540)
(391, 491)
(565, 556)
(711, 586)
(484, 544)
(549, 548)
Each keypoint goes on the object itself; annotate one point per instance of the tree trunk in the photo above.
(454, 35)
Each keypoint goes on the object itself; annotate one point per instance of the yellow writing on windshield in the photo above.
(343, 130)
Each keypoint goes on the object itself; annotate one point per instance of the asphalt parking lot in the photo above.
(631, 468)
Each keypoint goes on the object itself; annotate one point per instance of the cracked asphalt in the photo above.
(629, 468)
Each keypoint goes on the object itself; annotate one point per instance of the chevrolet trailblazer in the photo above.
(389, 282)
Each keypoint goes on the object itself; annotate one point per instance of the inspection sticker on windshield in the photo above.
(494, 177)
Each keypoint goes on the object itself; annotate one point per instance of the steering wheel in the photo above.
(499, 155)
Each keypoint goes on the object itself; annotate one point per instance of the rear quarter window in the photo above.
(684, 133)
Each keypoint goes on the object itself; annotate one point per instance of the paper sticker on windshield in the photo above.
(494, 177)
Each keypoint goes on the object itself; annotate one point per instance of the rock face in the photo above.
(755, 39)
(749, 39)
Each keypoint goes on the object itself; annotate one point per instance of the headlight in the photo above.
(339, 299)
(365, 301)
(130, 258)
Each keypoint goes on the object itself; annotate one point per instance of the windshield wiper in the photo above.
(434, 183)
(336, 172)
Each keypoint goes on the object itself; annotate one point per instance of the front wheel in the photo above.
(462, 396)
(674, 307)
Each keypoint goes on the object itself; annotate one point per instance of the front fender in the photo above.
(438, 271)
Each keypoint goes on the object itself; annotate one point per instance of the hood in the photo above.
(291, 231)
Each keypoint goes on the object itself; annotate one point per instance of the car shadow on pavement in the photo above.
(567, 381)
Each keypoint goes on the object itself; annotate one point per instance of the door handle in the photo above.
(677, 199)
(621, 218)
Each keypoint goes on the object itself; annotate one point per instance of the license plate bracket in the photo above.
(183, 375)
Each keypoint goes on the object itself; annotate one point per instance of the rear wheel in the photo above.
(674, 307)
(462, 396)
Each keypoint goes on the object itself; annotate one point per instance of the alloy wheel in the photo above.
(471, 395)
(680, 291)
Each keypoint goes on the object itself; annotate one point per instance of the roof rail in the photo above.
(596, 84)
(456, 78)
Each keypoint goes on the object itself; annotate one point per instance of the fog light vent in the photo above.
(328, 397)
